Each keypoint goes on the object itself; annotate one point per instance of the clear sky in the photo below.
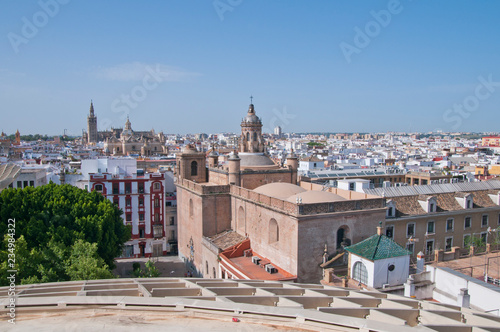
(190, 66)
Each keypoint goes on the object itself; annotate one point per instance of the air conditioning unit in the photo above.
(271, 269)
(247, 253)
(256, 260)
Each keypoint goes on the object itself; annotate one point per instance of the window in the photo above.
(215, 274)
(32, 183)
(157, 217)
(430, 227)
(390, 211)
(274, 233)
(468, 204)
(141, 201)
(157, 202)
(168, 203)
(128, 217)
(156, 186)
(157, 231)
(98, 187)
(483, 237)
(389, 231)
(116, 188)
(360, 273)
(410, 246)
(429, 247)
(410, 229)
(128, 251)
(128, 201)
(206, 266)
(248, 136)
(351, 186)
(116, 201)
(172, 221)
(141, 232)
(467, 240)
(128, 188)
(141, 216)
(172, 235)
(20, 184)
(25, 184)
(467, 222)
(448, 243)
(194, 168)
(449, 225)
(484, 220)
(432, 208)
(140, 187)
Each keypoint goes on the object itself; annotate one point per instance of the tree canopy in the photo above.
(61, 233)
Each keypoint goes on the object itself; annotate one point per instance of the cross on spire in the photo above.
(251, 99)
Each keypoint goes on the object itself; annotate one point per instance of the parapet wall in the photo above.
(203, 189)
(308, 209)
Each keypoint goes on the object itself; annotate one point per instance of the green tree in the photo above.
(150, 270)
(85, 264)
(49, 220)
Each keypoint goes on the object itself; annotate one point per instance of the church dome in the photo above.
(251, 117)
(315, 196)
(279, 189)
(189, 149)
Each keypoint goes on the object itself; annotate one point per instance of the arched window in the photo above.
(241, 218)
(194, 168)
(274, 232)
(360, 273)
(255, 136)
(248, 136)
(206, 266)
(191, 208)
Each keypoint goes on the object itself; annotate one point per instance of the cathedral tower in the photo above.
(92, 125)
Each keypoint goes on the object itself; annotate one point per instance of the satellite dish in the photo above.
(391, 267)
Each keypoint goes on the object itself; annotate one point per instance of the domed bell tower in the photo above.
(251, 133)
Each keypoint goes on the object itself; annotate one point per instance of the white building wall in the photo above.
(398, 276)
(449, 283)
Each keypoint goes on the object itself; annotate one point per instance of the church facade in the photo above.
(246, 218)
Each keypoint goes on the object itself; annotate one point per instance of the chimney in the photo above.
(380, 230)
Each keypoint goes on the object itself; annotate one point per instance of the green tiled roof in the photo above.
(377, 247)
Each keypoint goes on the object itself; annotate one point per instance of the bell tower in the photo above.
(92, 125)
(251, 132)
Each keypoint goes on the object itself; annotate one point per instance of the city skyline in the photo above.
(311, 67)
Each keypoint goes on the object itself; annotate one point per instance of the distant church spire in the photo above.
(91, 108)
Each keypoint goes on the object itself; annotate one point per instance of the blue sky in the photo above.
(190, 66)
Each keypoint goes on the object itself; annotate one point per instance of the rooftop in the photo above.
(377, 247)
(188, 304)
(432, 189)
